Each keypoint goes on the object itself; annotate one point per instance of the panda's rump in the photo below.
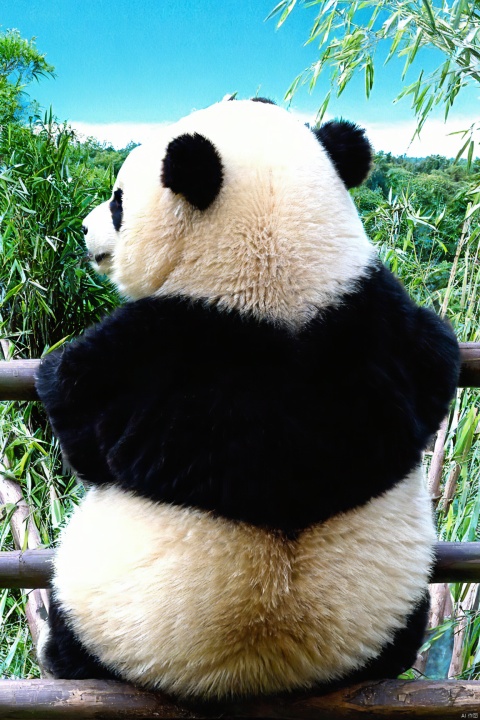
(179, 599)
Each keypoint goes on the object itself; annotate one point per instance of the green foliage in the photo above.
(20, 60)
(17, 658)
(348, 34)
(48, 182)
(47, 291)
(422, 215)
(20, 63)
(423, 203)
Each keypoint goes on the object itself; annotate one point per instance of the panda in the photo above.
(250, 423)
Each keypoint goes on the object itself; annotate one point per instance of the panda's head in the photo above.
(240, 205)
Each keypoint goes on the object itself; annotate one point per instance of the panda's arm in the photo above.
(84, 388)
(435, 366)
(421, 351)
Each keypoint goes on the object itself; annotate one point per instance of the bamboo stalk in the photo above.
(441, 607)
(440, 599)
(450, 487)
(25, 534)
(17, 377)
(87, 699)
(436, 465)
(466, 606)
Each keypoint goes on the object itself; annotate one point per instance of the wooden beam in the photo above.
(470, 370)
(27, 569)
(456, 562)
(35, 699)
(17, 377)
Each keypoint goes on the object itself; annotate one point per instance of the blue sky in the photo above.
(124, 66)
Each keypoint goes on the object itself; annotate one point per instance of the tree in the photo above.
(20, 63)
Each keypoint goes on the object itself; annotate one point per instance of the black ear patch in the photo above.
(192, 168)
(116, 208)
(265, 100)
(348, 148)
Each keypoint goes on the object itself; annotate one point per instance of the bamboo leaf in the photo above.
(369, 76)
(323, 108)
(431, 17)
(462, 150)
(293, 88)
(471, 210)
(283, 9)
(57, 345)
(461, 7)
(471, 149)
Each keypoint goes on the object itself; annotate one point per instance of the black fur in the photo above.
(192, 167)
(64, 656)
(348, 148)
(116, 208)
(248, 419)
(267, 101)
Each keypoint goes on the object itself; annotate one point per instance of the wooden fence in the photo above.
(45, 699)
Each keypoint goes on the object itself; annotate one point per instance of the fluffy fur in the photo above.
(239, 538)
(348, 148)
(277, 403)
(192, 168)
(238, 609)
(268, 245)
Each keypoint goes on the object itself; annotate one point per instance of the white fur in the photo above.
(101, 238)
(282, 238)
(177, 599)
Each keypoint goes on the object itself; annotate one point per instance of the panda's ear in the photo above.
(348, 148)
(192, 167)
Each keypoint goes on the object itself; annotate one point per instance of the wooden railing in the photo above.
(45, 699)
(17, 377)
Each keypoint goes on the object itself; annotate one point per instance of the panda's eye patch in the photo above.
(116, 208)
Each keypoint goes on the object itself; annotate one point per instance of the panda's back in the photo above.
(187, 602)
